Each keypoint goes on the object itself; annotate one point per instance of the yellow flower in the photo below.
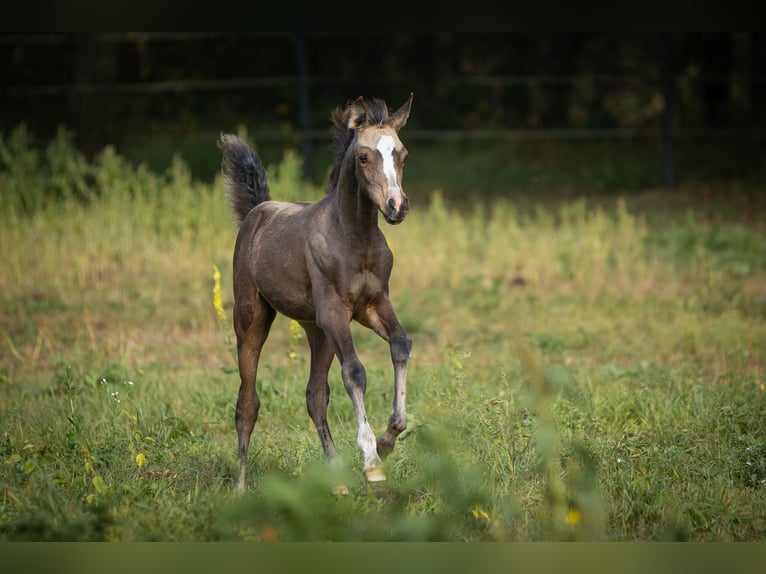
(478, 513)
(217, 301)
(218, 305)
(573, 516)
(140, 459)
(295, 336)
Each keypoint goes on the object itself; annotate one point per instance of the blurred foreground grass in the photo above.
(582, 369)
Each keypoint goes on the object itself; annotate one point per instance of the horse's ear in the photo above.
(399, 119)
(356, 115)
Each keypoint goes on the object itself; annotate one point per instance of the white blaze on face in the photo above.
(386, 149)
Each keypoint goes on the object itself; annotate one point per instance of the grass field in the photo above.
(583, 369)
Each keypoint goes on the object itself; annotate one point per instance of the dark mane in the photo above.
(377, 112)
(373, 113)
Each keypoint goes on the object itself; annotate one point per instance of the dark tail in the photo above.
(243, 175)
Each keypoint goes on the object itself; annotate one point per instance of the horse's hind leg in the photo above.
(252, 321)
(318, 392)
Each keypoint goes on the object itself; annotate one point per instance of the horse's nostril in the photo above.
(392, 203)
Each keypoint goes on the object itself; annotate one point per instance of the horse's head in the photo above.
(380, 155)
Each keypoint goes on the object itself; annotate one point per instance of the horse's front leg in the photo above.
(383, 321)
(334, 321)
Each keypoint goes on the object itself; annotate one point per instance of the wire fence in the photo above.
(103, 101)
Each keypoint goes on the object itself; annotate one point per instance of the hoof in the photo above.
(340, 489)
(384, 447)
(375, 474)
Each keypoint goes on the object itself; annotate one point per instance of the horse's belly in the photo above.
(294, 308)
(285, 287)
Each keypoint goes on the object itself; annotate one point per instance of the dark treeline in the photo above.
(108, 88)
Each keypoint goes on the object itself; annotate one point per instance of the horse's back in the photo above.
(279, 209)
(273, 221)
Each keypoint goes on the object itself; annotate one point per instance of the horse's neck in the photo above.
(357, 215)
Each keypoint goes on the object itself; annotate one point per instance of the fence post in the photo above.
(303, 105)
(666, 79)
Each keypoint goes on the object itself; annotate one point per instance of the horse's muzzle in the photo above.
(395, 216)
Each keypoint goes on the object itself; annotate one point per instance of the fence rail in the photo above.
(75, 95)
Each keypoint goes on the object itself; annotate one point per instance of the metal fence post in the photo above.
(303, 105)
(666, 79)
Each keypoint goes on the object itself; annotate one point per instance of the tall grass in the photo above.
(580, 372)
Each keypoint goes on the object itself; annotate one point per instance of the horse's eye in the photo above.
(362, 158)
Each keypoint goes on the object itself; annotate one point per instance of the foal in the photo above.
(323, 264)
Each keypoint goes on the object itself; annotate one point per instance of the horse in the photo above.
(323, 264)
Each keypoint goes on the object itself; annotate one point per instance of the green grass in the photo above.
(583, 369)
